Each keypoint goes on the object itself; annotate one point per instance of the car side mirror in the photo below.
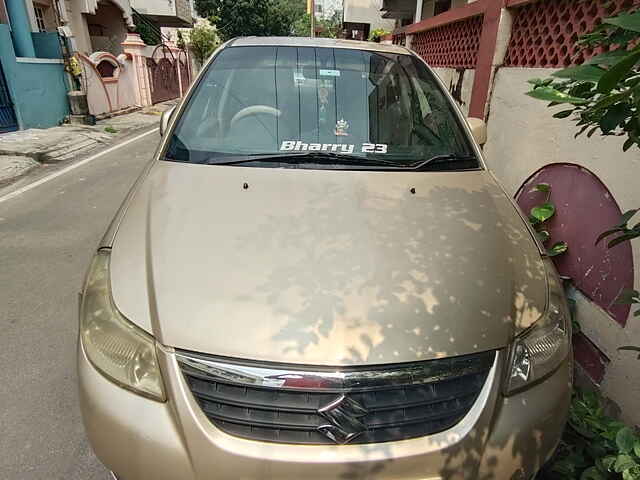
(164, 120)
(478, 129)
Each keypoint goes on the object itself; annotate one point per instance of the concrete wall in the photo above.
(36, 85)
(522, 138)
(108, 18)
(155, 7)
(76, 10)
(450, 77)
(109, 94)
(428, 7)
(49, 14)
(367, 11)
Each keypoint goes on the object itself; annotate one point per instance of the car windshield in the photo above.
(369, 107)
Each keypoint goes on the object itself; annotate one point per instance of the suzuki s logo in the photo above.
(343, 415)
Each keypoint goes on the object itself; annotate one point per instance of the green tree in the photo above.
(202, 41)
(377, 34)
(328, 28)
(235, 18)
(146, 30)
(291, 10)
(181, 43)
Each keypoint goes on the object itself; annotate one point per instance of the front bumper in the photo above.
(139, 439)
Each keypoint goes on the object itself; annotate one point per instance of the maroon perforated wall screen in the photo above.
(544, 33)
(453, 45)
(399, 39)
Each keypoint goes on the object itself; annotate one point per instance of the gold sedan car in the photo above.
(316, 278)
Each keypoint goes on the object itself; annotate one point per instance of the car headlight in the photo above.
(539, 350)
(116, 347)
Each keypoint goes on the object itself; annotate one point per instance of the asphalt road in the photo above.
(47, 237)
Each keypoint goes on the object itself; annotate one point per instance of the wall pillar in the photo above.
(495, 24)
(20, 28)
(134, 46)
(418, 15)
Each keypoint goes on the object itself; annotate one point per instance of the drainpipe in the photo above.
(20, 28)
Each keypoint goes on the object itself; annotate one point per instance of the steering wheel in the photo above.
(254, 110)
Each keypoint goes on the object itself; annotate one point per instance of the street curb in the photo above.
(9, 192)
(68, 153)
(22, 172)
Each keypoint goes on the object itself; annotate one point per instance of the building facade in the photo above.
(361, 17)
(33, 84)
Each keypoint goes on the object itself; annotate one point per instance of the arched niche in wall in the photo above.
(584, 209)
(106, 65)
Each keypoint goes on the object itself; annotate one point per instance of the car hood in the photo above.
(325, 267)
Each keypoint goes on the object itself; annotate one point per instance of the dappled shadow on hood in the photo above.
(390, 276)
(377, 274)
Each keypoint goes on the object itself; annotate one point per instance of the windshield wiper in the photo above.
(451, 157)
(334, 158)
(331, 158)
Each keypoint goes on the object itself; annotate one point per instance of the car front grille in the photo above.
(354, 405)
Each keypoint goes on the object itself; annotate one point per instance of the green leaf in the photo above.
(581, 131)
(543, 212)
(539, 82)
(607, 100)
(543, 236)
(625, 439)
(617, 72)
(557, 249)
(607, 58)
(625, 21)
(623, 462)
(622, 238)
(636, 448)
(581, 73)
(541, 187)
(615, 116)
(628, 215)
(550, 94)
(627, 144)
(605, 234)
(563, 114)
(592, 473)
(565, 467)
(608, 462)
(632, 473)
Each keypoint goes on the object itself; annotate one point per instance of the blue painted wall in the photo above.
(20, 28)
(46, 44)
(38, 90)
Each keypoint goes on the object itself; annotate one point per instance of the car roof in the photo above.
(317, 42)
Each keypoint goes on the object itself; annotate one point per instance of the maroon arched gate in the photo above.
(584, 209)
(169, 74)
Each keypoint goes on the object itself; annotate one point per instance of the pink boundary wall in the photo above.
(129, 85)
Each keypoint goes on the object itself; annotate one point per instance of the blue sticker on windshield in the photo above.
(329, 73)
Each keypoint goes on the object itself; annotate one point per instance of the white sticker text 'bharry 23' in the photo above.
(298, 146)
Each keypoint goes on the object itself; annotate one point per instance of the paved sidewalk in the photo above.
(26, 150)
